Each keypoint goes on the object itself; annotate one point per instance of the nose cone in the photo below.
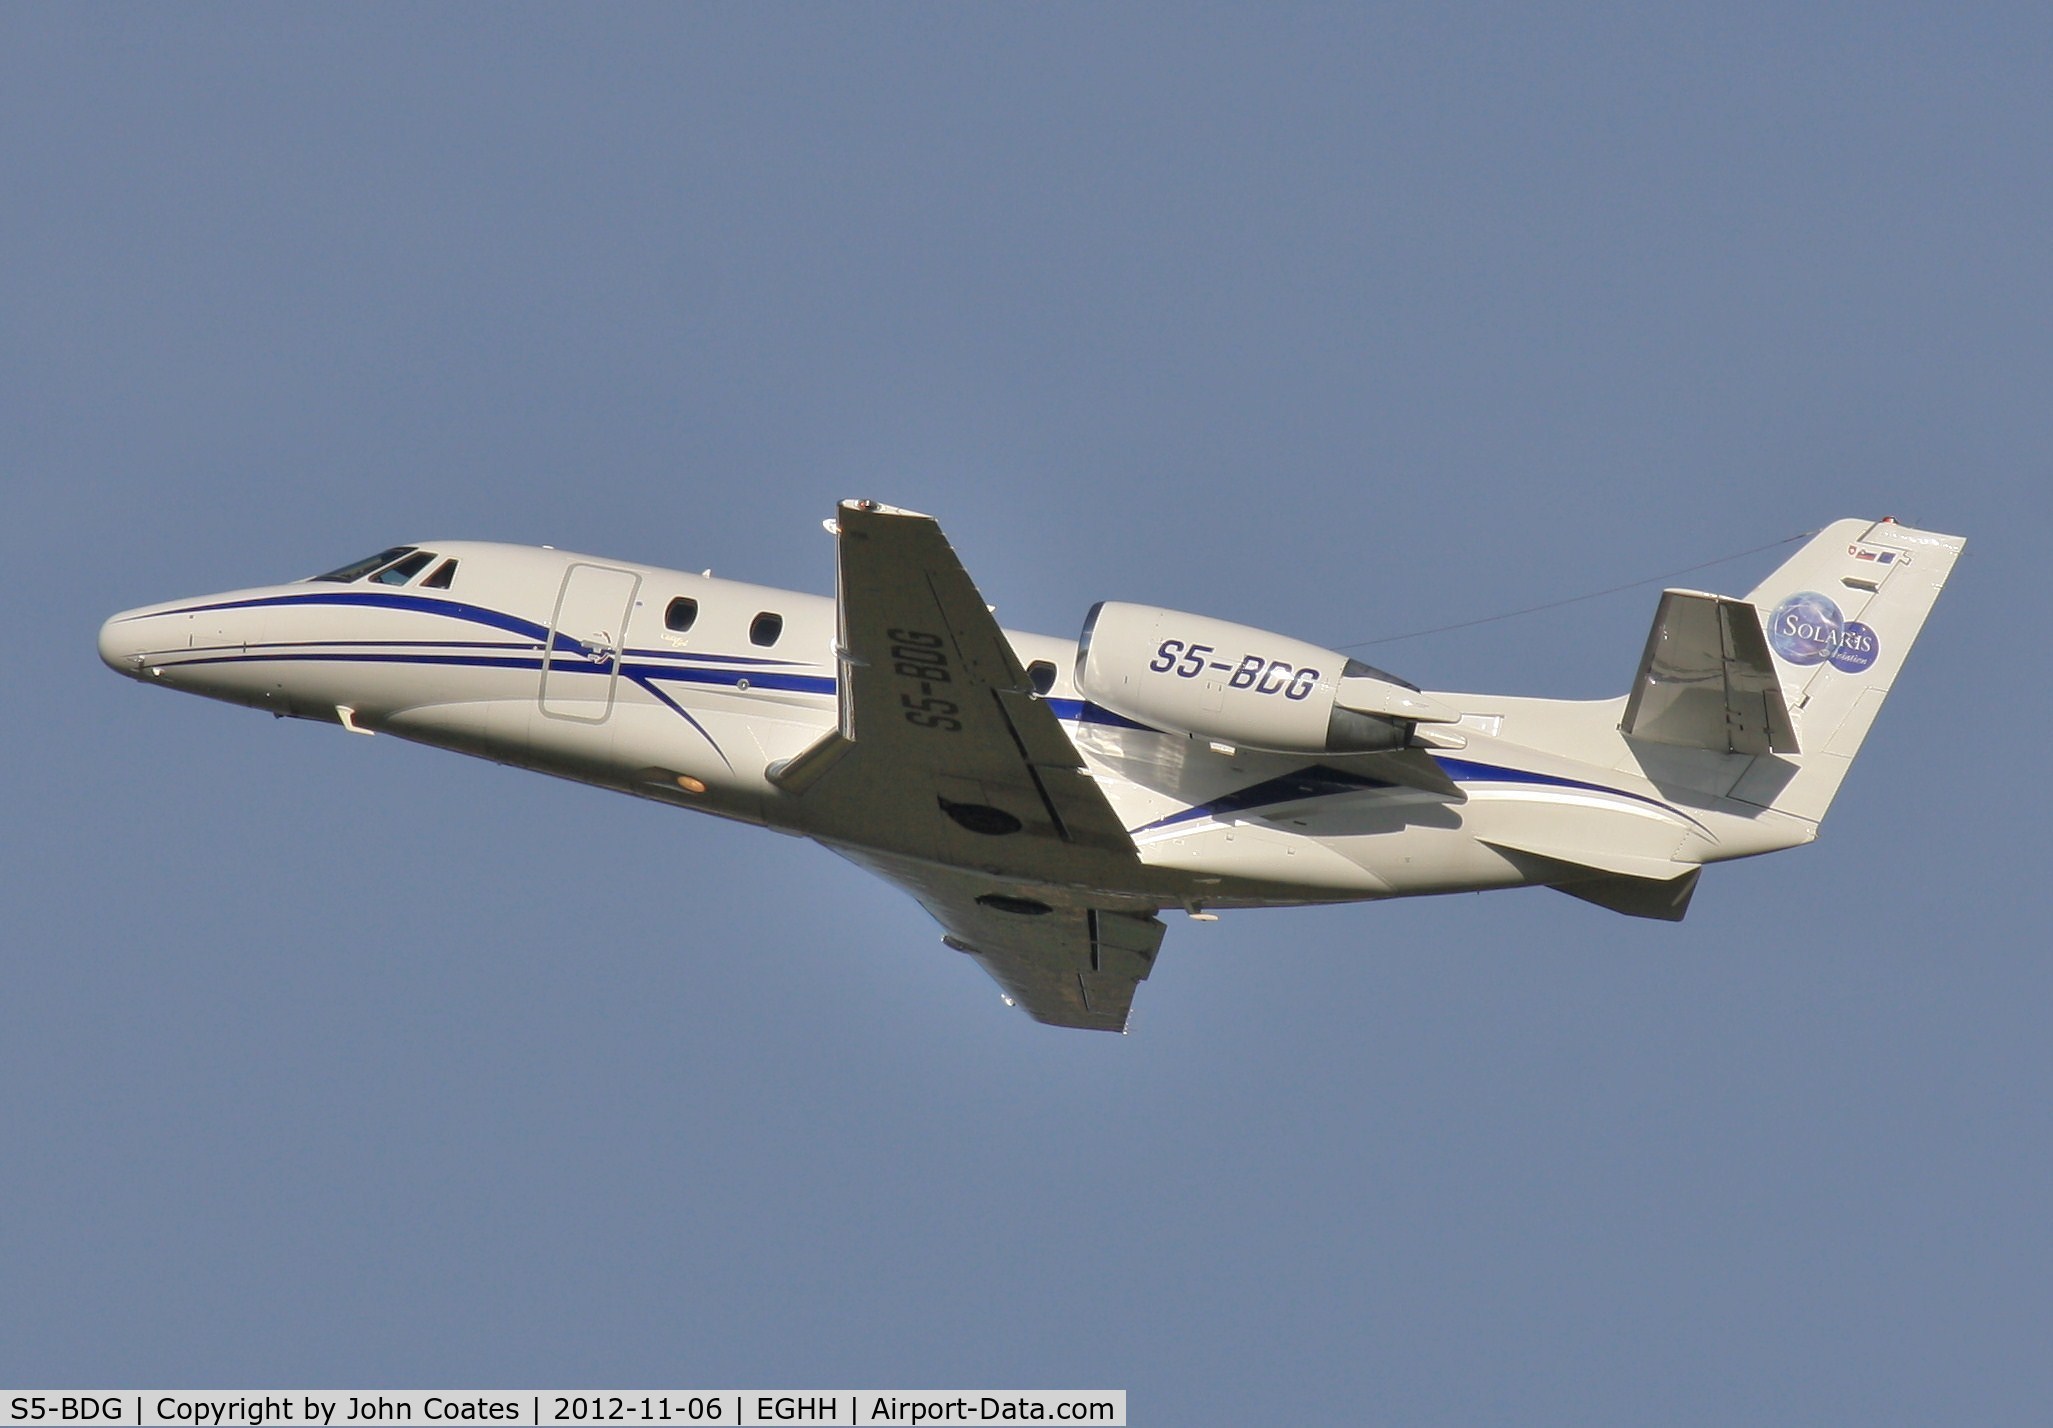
(120, 649)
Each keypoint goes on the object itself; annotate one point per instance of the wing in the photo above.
(1064, 965)
(950, 777)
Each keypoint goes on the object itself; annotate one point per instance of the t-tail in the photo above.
(1795, 673)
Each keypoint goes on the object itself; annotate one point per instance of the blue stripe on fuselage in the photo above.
(532, 659)
(1319, 782)
(1290, 788)
(390, 600)
(449, 609)
(1471, 771)
(1082, 711)
(1074, 710)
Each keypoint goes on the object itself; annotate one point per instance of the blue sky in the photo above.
(333, 1061)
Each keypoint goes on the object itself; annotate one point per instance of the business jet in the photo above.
(1046, 799)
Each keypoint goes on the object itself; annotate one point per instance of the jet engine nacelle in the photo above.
(1243, 686)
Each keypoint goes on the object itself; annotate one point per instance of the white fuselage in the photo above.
(571, 665)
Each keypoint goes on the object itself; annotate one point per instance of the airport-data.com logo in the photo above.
(1808, 628)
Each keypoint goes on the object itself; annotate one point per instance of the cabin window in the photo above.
(401, 571)
(442, 576)
(357, 570)
(1042, 675)
(765, 629)
(681, 614)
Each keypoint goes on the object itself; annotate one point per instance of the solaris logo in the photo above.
(1808, 628)
(1858, 647)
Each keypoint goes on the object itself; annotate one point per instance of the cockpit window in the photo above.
(401, 571)
(361, 568)
(444, 576)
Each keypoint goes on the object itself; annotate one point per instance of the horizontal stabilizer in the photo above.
(1634, 885)
(1707, 680)
(1638, 897)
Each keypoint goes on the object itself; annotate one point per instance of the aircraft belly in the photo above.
(1285, 862)
(645, 750)
(1397, 845)
(1432, 860)
(1604, 830)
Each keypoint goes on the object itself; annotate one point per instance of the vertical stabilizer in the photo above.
(1840, 617)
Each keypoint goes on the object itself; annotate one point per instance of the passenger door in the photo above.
(582, 663)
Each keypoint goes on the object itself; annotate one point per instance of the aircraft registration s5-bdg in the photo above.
(1046, 799)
